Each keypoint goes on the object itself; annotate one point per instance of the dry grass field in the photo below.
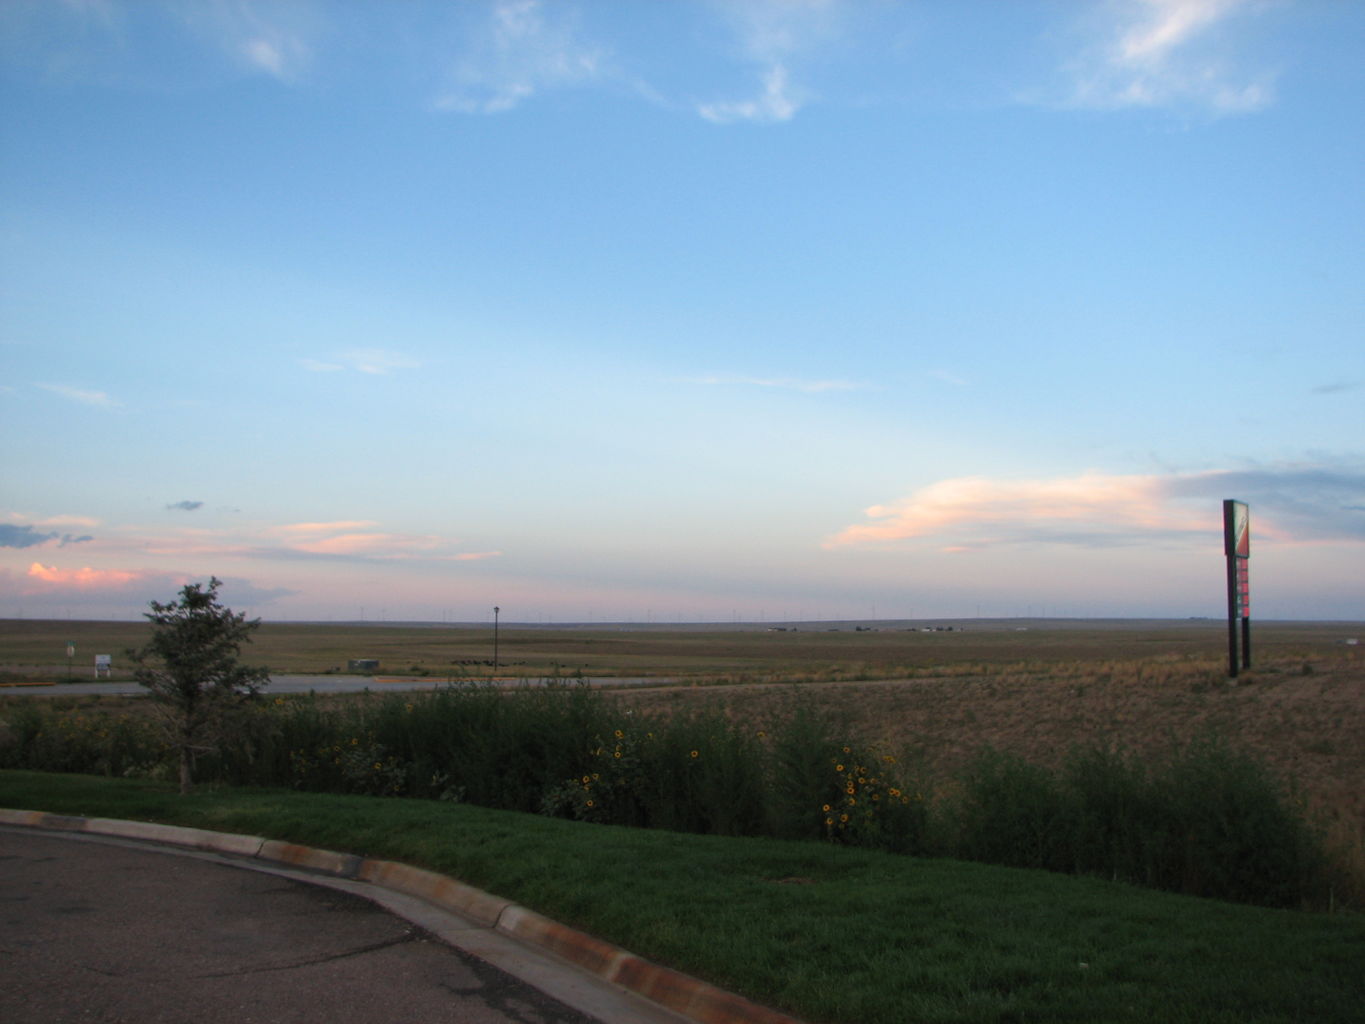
(1034, 689)
(1307, 727)
(1300, 710)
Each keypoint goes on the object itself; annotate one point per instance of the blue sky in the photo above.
(681, 311)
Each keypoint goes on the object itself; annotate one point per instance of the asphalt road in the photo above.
(112, 933)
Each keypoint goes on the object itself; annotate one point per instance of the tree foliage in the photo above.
(190, 668)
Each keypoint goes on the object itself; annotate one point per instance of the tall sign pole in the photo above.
(1237, 547)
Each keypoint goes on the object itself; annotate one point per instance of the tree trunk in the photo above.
(186, 784)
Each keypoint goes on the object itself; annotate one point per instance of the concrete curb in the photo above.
(692, 998)
(446, 893)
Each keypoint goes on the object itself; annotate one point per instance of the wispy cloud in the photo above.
(185, 506)
(123, 589)
(305, 529)
(358, 540)
(265, 37)
(1336, 387)
(69, 520)
(1298, 504)
(776, 101)
(84, 577)
(772, 35)
(106, 39)
(96, 399)
(782, 383)
(1151, 53)
(373, 361)
(523, 48)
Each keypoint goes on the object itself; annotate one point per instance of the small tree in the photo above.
(190, 668)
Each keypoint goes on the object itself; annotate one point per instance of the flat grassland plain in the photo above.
(1029, 687)
(979, 943)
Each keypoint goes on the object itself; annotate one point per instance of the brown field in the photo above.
(939, 695)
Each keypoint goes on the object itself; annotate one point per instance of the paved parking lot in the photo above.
(112, 933)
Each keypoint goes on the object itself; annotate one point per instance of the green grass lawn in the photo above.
(827, 933)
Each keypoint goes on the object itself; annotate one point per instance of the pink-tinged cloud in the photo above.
(114, 593)
(367, 544)
(1295, 503)
(336, 540)
(66, 520)
(972, 512)
(350, 539)
(85, 578)
(289, 529)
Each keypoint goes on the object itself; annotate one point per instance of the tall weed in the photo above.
(1204, 819)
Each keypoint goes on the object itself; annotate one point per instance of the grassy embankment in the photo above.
(829, 933)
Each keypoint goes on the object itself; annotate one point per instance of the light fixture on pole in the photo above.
(496, 609)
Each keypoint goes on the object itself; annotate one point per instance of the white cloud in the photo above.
(261, 36)
(98, 399)
(773, 34)
(265, 54)
(1170, 23)
(525, 47)
(1149, 53)
(771, 29)
(111, 40)
(1289, 504)
(776, 102)
(267, 37)
(373, 361)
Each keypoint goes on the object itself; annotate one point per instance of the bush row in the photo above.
(1204, 820)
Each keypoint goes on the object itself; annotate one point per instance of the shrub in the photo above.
(1110, 814)
(1204, 820)
(873, 807)
(57, 737)
(1010, 812)
(802, 783)
(1223, 828)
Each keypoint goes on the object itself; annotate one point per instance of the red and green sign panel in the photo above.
(1237, 547)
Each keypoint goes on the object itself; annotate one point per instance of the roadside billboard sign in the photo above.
(1237, 548)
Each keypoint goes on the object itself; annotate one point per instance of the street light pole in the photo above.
(496, 609)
